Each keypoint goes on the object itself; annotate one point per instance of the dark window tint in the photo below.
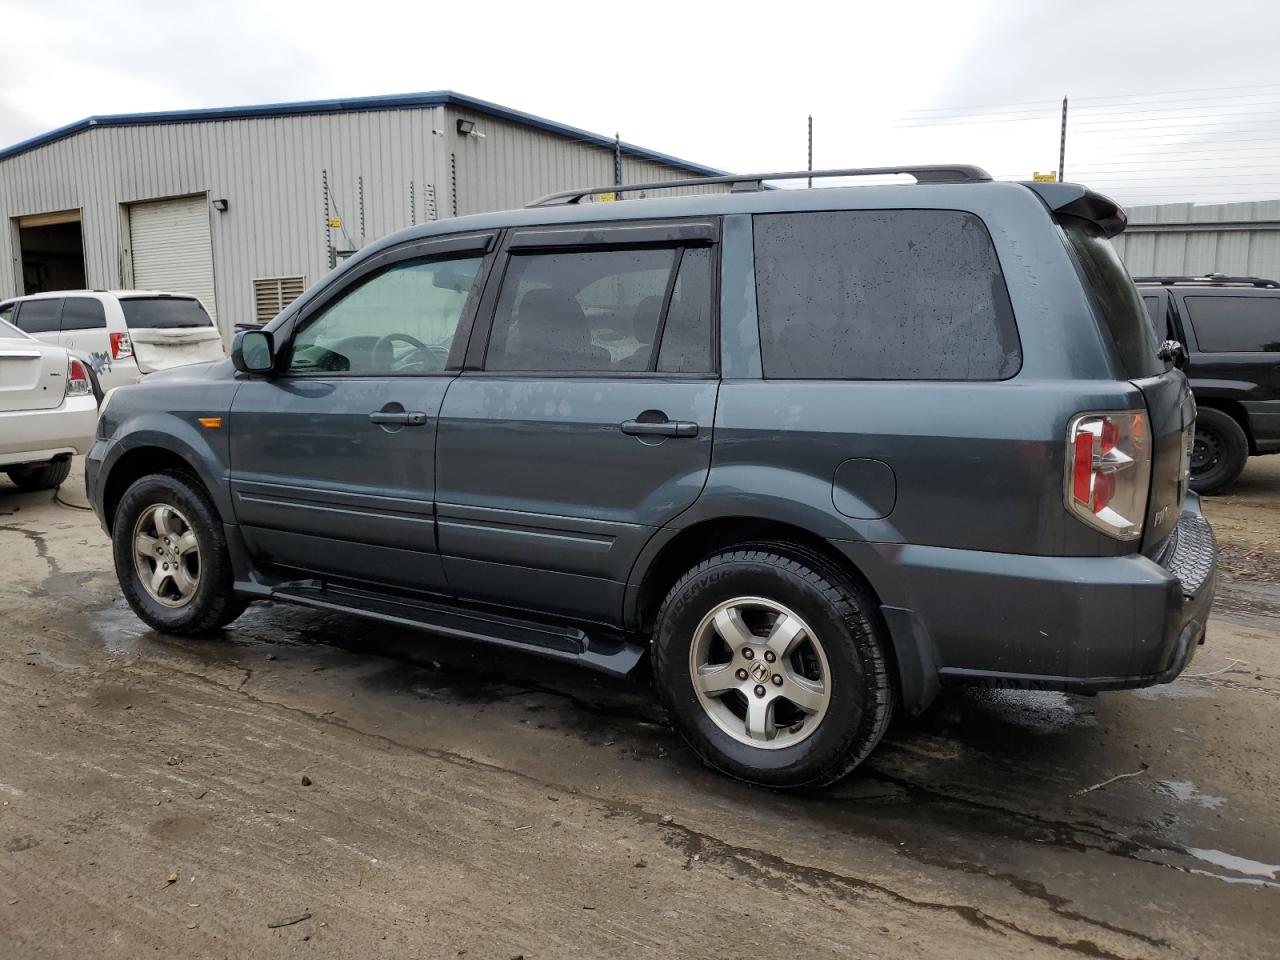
(39, 316)
(1235, 324)
(1117, 299)
(82, 313)
(6, 312)
(882, 295)
(145, 312)
(686, 336)
(594, 311)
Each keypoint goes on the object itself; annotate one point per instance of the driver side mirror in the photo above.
(253, 351)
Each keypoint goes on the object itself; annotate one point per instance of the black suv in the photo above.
(817, 452)
(1230, 331)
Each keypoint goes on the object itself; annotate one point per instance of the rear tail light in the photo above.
(121, 346)
(1109, 471)
(78, 384)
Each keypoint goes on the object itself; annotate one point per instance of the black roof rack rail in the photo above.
(750, 182)
(1212, 280)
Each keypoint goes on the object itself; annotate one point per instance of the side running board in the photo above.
(606, 654)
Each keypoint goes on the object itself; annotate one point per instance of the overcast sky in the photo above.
(1170, 99)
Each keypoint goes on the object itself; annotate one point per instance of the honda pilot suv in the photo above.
(816, 453)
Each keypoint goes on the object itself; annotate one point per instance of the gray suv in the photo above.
(816, 452)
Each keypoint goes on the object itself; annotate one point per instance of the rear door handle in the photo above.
(406, 418)
(661, 428)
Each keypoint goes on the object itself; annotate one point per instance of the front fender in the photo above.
(205, 450)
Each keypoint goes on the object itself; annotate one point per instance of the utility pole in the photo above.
(1062, 144)
(811, 150)
(617, 159)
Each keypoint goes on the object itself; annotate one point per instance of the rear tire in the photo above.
(45, 476)
(837, 667)
(1220, 453)
(192, 594)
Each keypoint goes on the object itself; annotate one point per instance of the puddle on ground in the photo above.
(1252, 869)
(1186, 791)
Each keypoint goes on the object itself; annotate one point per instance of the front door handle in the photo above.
(398, 418)
(660, 428)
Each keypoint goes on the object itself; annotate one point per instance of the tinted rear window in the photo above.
(1127, 324)
(882, 295)
(83, 313)
(164, 312)
(38, 316)
(1235, 324)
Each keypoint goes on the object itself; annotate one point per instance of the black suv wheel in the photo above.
(171, 556)
(772, 668)
(1219, 453)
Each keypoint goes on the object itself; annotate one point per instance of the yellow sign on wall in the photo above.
(1050, 177)
(606, 197)
(335, 223)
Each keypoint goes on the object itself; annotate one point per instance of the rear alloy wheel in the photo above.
(771, 665)
(171, 556)
(45, 476)
(1219, 451)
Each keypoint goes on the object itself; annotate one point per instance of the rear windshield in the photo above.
(164, 312)
(1116, 297)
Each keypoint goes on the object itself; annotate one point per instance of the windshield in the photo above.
(142, 312)
(1116, 297)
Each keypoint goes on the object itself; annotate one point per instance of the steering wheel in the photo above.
(384, 352)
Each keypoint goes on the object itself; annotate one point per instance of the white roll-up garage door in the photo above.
(171, 248)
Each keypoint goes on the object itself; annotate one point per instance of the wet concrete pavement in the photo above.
(467, 802)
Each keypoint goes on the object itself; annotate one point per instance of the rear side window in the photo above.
(1235, 324)
(634, 309)
(38, 316)
(882, 295)
(83, 313)
(143, 312)
(1117, 299)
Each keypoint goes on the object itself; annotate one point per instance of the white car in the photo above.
(122, 334)
(48, 412)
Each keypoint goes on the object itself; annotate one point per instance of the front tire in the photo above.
(772, 667)
(46, 476)
(1219, 452)
(171, 556)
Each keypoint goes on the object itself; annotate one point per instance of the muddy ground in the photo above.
(463, 802)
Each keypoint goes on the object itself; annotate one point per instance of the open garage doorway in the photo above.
(51, 247)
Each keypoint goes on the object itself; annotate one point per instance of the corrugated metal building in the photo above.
(245, 206)
(1185, 239)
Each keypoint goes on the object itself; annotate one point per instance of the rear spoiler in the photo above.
(1077, 201)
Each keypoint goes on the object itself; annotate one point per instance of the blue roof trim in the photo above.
(399, 101)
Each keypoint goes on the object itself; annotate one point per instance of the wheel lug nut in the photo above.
(741, 674)
(748, 653)
(777, 679)
(768, 655)
(759, 691)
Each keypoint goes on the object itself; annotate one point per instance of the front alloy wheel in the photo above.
(166, 555)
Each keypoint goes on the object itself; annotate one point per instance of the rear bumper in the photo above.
(1057, 623)
(35, 436)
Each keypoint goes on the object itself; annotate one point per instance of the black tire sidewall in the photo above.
(1235, 451)
(47, 476)
(175, 491)
(851, 717)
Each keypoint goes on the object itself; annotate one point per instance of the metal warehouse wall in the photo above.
(1184, 239)
(270, 170)
(514, 164)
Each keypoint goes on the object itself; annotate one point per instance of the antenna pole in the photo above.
(1062, 144)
